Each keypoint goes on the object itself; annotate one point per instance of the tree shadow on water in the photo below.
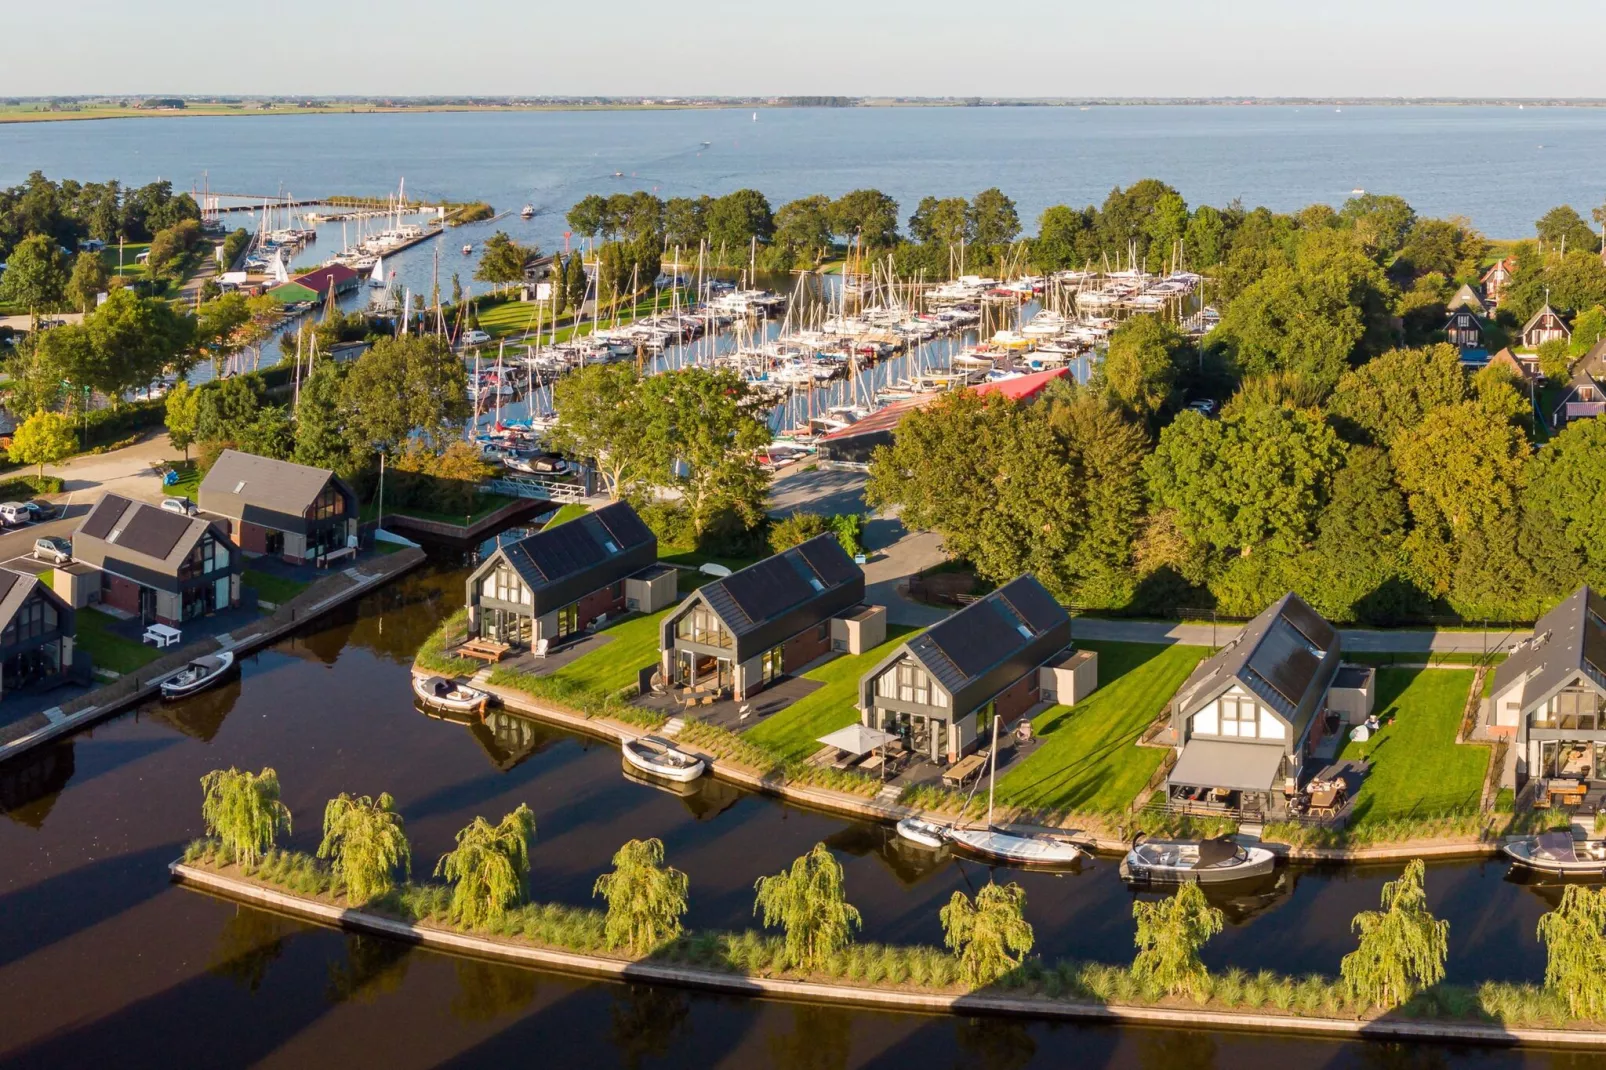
(647, 1020)
(248, 943)
(821, 1040)
(489, 990)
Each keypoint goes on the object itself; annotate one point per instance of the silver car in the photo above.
(56, 551)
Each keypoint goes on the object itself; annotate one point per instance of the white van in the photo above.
(15, 514)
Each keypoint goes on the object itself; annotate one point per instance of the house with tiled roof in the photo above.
(282, 509)
(161, 566)
(1543, 326)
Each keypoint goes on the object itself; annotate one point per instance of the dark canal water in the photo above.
(102, 961)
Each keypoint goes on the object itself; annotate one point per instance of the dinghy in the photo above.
(1205, 861)
(1017, 847)
(444, 694)
(201, 672)
(661, 758)
(1559, 853)
(925, 833)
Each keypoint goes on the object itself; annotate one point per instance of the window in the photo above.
(617, 591)
(207, 556)
(568, 620)
(908, 681)
(504, 585)
(36, 617)
(331, 503)
(824, 632)
(700, 625)
(1238, 717)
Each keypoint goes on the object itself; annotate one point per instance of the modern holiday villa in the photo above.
(280, 508)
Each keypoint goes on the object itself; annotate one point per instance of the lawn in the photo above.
(604, 672)
(1087, 759)
(131, 250)
(275, 589)
(189, 482)
(569, 512)
(1418, 769)
(793, 733)
(110, 651)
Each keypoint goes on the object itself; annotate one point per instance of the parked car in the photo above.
(182, 506)
(56, 551)
(475, 338)
(42, 510)
(14, 514)
(1203, 406)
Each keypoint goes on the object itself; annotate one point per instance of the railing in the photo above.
(546, 488)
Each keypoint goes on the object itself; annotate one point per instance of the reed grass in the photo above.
(433, 656)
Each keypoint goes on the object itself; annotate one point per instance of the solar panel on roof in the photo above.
(152, 531)
(623, 524)
(1285, 662)
(1035, 605)
(105, 516)
(1309, 623)
(826, 557)
(766, 589)
(977, 637)
(8, 580)
(564, 550)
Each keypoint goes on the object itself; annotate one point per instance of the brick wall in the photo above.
(600, 601)
(1017, 698)
(119, 593)
(804, 647)
(251, 538)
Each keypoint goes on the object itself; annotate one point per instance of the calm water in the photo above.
(102, 959)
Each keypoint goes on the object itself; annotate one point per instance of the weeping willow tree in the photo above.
(489, 868)
(1575, 944)
(1402, 947)
(365, 838)
(1170, 934)
(646, 899)
(808, 903)
(990, 935)
(243, 810)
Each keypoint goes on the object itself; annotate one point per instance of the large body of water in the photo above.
(102, 960)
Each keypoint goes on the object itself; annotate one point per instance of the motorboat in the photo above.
(467, 248)
(661, 758)
(527, 212)
(1213, 861)
(1559, 853)
(444, 694)
(1016, 846)
(925, 833)
(200, 673)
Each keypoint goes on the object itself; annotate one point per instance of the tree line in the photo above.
(1400, 953)
(69, 211)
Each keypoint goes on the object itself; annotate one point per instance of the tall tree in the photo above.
(183, 411)
(1564, 227)
(1392, 393)
(366, 843)
(686, 221)
(803, 228)
(35, 278)
(89, 280)
(703, 430)
(808, 902)
(588, 216)
(1402, 947)
(944, 222)
(993, 218)
(646, 899)
(402, 386)
(867, 213)
(1563, 491)
(1063, 234)
(1380, 221)
(1141, 365)
(136, 340)
(502, 260)
(1169, 936)
(242, 809)
(43, 438)
(990, 934)
(320, 439)
(603, 418)
(1574, 935)
(224, 409)
(737, 218)
(489, 868)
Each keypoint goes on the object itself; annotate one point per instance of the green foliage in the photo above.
(796, 529)
(242, 809)
(43, 438)
(603, 417)
(400, 387)
(702, 431)
(1555, 360)
(1141, 365)
(1392, 393)
(808, 902)
(734, 221)
(849, 529)
(1170, 934)
(489, 868)
(36, 276)
(365, 839)
(1565, 486)
(502, 259)
(432, 655)
(990, 934)
(1380, 222)
(89, 279)
(1562, 227)
(319, 423)
(868, 214)
(1402, 947)
(1574, 935)
(646, 899)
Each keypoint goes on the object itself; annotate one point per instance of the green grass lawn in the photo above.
(1087, 759)
(189, 482)
(276, 589)
(604, 672)
(793, 733)
(109, 651)
(1418, 769)
(571, 511)
(131, 250)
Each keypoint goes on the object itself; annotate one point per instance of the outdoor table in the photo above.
(873, 763)
(162, 635)
(1566, 789)
(964, 769)
(1325, 801)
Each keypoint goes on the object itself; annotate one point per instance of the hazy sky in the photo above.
(906, 47)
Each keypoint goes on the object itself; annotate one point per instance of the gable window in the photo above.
(331, 503)
(207, 556)
(908, 681)
(36, 617)
(504, 585)
(701, 625)
(1238, 717)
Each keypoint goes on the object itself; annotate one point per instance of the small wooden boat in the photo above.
(1214, 861)
(201, 672)
(661, 758)
(923, 832)
(1558, 852)
(444, 694)
(1017, 847)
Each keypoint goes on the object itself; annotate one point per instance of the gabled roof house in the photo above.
(37, 632)
(281, 508)
(165, 567)
(1543, 326)
(1586, 388)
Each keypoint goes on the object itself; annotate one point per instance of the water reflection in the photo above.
(489, 990)
(995, 1043)
(647, 1021)
(374, 967)
(821, 1039)
(909, 862)
(31, 782)
(249, 942)
(201, 715)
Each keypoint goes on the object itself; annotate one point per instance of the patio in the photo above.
(525, 661)
(226, 620)
(724, 711)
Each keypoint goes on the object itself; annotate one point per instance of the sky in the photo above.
(1165, 48)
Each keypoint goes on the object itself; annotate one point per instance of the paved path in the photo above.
(1354, 639)
(126, 471)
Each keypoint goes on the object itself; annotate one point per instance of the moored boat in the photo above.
(201, 672)
(925, 833)
(1016, 846)
(444, 694)
(661, 758)
(1559, 853)
(1213, 861)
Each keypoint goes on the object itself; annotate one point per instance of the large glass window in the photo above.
(207, 556)
(331, 503)
(568, 620)
(907, 681)
(700, 625)
(1238, 716)
(36, 617)
(504, 585)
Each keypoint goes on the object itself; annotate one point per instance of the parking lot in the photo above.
(16, 544)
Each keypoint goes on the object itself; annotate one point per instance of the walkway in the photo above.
(1354, 639)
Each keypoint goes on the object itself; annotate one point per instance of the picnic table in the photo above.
(873, 763)
(162, 635)
(1566, 790)
(965, 768)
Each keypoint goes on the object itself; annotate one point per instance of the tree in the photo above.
(89, 280)
(603, 418)
(796, 529)
(1555, 360)
(867, 213)
(1062, 237)
(703, 431)
(809, 904)
(222, 325)
(1205, 240)
(1564, 227)
(646, 899)
(135, 340)
(44, 438)
(1380, 221)
(576, 283)
(737, 218)
(35, 277)
(991, 934)
(1402, 947)
(1140, 366)
(319, 424)
(993, 219)
(489, 868)
(502, 260)
(366, 842)
(849, 531)
(243, 810)
(803, 229)
(269, 434)
(686, 221)
(1564, 486)
(943, 223)
(224, 409)
(1574, 935)
(1356, 567)
(1170, 934)
(402, 386)
(183, 410)
(1392, 393)
(1588, 328)
(588, 215)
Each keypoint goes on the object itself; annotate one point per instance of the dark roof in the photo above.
(1287, 657)
(563, 563)
(336, 275)
(16, 588)
(1545, 310)
(991, 643)
(238, 481)
(118, 527)
(8, 580)
(1566, 641)
(104, 516)
(767, 603)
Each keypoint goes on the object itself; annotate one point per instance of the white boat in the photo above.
(527, 212)
(925, 833)
(1016, 846)
(377, 278)
(1204, 861)
(444, 694)
(1558, 852)
(661, 758)
(467, 249)
(201, 672)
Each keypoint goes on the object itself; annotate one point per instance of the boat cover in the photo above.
(1555, 847)
(207, 663)
(1214, 852)
(1209, 763)
(438, 685)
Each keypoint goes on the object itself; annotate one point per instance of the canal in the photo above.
(101, 959)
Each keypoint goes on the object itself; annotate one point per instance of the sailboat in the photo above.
(755, 116)
(376, 278)
(1012, 844)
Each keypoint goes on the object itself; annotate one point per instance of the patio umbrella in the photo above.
(857, 739)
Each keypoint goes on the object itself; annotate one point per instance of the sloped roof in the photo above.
(336, 275)
(1545, 310)
(560, 564)
(240, 479)
(1022, 386)
(290, 292)
(1468, 298)
(769, 602)
(1568, 640)
(17, 587)
(149, 535)
(1278, 657)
